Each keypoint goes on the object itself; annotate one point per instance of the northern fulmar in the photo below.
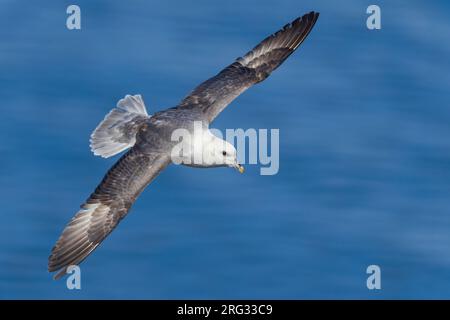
(148, 138)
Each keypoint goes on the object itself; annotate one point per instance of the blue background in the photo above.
(364, 150)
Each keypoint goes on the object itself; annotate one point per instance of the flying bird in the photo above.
(149, 140)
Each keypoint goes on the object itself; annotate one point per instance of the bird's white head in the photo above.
(219, 153)
(205, 150)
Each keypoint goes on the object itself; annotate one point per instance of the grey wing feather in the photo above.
(105, 208)
(213, 95)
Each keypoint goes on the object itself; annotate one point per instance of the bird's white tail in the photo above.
(117, 131)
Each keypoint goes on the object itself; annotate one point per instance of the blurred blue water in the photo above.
(364, 146)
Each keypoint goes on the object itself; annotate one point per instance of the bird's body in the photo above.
(153, 143)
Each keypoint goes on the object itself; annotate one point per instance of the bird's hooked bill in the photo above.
(240, 168)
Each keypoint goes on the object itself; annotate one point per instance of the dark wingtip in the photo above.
(310, 18)
(316, 15)
(313, 15)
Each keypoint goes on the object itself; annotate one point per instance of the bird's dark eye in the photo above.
(224, 153)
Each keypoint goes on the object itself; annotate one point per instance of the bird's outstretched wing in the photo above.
(213, 95)
(104, 209)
